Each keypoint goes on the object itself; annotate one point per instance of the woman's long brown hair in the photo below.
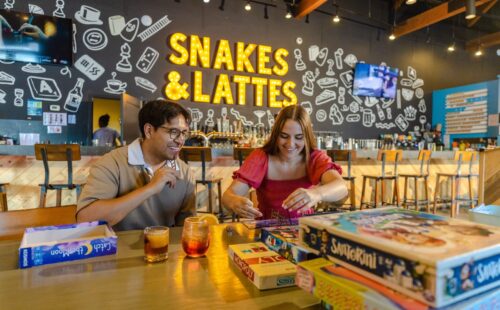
(300, 115)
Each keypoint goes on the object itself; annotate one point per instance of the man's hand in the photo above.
(163, 176)
(301, 199)
(244, 208)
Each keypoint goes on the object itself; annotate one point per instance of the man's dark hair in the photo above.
(157, 112)
(103, 120)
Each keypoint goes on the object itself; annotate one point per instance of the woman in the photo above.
(289, 174)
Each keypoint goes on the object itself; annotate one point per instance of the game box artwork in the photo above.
(284, 240)
(431, 258)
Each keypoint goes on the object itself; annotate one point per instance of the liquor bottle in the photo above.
(74, 97)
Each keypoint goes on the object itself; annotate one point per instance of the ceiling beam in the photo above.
(485, 9)
(398, 4)
(432, 16)
(307, 6)
(488, 40)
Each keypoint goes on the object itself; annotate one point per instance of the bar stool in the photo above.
(461, 157)
(57, 152)
(424, 156)
(203, 154)
(3, 197)
(386, 156)
(349, 156)
(241, 153)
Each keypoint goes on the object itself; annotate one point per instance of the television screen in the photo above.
(375, 81)
(35, 38)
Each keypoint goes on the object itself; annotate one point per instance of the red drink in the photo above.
(195, 248)
(195, 237)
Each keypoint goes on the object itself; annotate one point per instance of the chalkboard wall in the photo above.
(125, 46)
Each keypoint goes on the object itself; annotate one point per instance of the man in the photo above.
(105, 135)
(144, 183)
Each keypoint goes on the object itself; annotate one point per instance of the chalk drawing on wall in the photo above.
(307, 106)
(114, 85)
(129, 31)
(422, 119)
(124, 65)
(145, 83)
(406, 82)
(35, 9)
(417, 83)
(74, 44)
(270, 118)
(88, 15)
(43, 88)
(385, 125)
(59, 9)
(154, 28)
(299, 63)
(354, 107)
(2, 97)
(410, 113)
(325, 97)
(210, 118)
(368, 118)
(146, 20)
(54, 107)
(351, 60)
(33, 69)
(401, 122)
(65, 71)
(9, 4)
(419, 93)
(299, 40)
(260, 114)
(380, 112)
(330, 71)
(388, 111)
(327, 82)
(240, 117)
(321, 115)
(6, 78)
(95, 39)
(309, 78)
(422, 108)
(116, 24)
(407, 94)
(19, 94)
(346, 78)
(88, 66)
(322, 55)
(335, 115)
(338, 58)
(147, 59)
(412, 73)
(353, 118)
(341, 99)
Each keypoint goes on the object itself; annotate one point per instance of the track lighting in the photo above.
(266, 16)
(221, 6)
(451, 48)
(410, 2)
(288, 14)
(248, 6)
(470, 9)
(336, 19)
(206, 1)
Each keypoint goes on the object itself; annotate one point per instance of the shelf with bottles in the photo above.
(462, 144)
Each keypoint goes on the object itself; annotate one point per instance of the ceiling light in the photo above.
(248, 7)
(470, 9)
(410, 2)
(288, 14)
(392, 37)
(478, 53)
(451, 48)
(206, 1)
(336, 19)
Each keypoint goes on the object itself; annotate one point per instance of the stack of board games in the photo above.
(433, 259)
(284, 239)
(265, 268)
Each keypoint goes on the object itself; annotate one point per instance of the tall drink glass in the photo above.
(156, 240)
(195, 236)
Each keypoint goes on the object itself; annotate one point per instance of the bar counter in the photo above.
(24, 173)
(126, 281)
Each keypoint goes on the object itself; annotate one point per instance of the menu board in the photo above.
(467, 112)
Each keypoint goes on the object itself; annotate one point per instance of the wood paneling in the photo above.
(489, 178)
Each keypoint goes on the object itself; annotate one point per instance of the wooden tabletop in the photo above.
(125, 281)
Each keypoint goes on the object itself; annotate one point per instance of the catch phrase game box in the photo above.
(265, 268)
(431, 258)
(284, 240)
(54, 244)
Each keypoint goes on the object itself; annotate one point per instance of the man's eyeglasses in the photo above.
(176, 133)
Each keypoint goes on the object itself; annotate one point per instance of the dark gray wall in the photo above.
(432, 63)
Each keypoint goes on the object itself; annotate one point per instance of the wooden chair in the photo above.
(3, 197)
(203, 154)
(349, 156)
(424, 156)
(461, 157)
(57, 152)
(241, 153)
(13, 223)
(385, 156)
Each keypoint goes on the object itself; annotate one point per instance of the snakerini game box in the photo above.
(54, 244)
(284, 240)
(431, 258)
(265, 268)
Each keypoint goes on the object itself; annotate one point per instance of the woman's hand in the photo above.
(244, 207)
(302, 199)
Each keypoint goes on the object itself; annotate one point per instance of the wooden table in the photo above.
(125, 281)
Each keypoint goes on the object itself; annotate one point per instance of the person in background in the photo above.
(105, 135)
(144, 183)
(289, 174)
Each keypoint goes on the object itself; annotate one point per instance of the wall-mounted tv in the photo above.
(375, 81)
(35, 38)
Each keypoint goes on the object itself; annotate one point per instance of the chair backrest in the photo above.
(197, 153)
(343, 155)
(425, 159)
(464, 157)
(241, 153)
(58, 152)
(13, 223)
(390, 156)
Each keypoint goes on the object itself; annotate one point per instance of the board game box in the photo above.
(284, 240)
(431, 258)
(265, 268)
